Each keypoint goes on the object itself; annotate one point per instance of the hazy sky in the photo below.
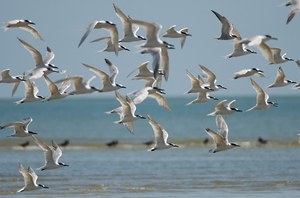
(62, 24)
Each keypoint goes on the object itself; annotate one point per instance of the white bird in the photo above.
(7, 78)
(108, 26)
(181, 34)
(144, 72)
(108, 82)
(239, 50)
(42, 66)
(80, 86)
(261, 98)
(202, 97)
(248, 72)
(109, 45)
(55, 92)
(20, 128)
(30, 179)
(129, 29)
(127, 115)
(228, 30)
(278, 58)
(152, 92)
(211, 79)
(197, 84)
(295, 8)
(152, 34)
(52, 155)
(23, 24)
(259, 41)
(160, 136)
(222, 109)
(31, 92)
(280, 79)
(221, 138)
(160, 57)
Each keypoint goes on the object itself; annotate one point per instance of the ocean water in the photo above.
(129, 170)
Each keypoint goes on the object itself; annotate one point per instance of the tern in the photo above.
(197, 84)
(295, 8)
(202, 97)
(260, 42)
(20, 128)
(261, 98)
(160, 136)
(211, 79)
(160, 56)
(153, 92)
(280, 81)
(55, 92)
(228, 31)
(30, 179)
(152, 34)
(248, 72)
(239, 48)
(31, 92)
(279, 58)
(144, 72)
(80, 86)
(45, 64)
(7, 78)
(52, 155)
(221, 109)
(181, 34)
(25, 25)
(109, 45)
(108, 82)
(108, 26)
(129, 29)
(221, 138)
(127, 114)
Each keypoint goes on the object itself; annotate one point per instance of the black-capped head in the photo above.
(270, 37)
(62, 164)
(94, 88)
(42, 186)
(168, 45)
(251, 51)
(234, 144)
(221, 87)
(32, 133)
(274, 104)
(124, 48)
(213, 98)
(235, 109)
(120, 85)
(29, 22)
(139, 116)
(110, 23)
(173, 145)
(185, 33)
(141, 37)
(291, 82)
(288, 59)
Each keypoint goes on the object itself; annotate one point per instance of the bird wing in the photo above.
(222, 127)
(160, 135)
(266, 51)
(15, 87)
(113, 69)
(88, 31)
(34, 52)
(50, 56)
(128, 28)
(226, 26)
(125, 106)
(194, 81)
(103, 76)
(262, 96)
(48, 153)
(5, 74)
(27, 177)
(211, 77)
(57, 152)
(52, 87)
(152, 29)
(33, 175)
(218, 139)
(140, 95)
(26, 122)
(32, 30)
(220, 105)
(230, 104)
(276, 53)
(165, 59)
(280, 76)
(160, 100)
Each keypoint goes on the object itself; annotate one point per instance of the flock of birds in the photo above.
(202, 85)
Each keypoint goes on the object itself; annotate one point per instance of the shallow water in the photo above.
(129, 170)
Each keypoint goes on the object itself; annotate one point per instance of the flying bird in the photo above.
(52, 155)
(280, 80)
(222, 109)
(20, 128)
(23, 24)
(108, 26)
(295, 4)
(7, 78)
(261, 98)
(160, 136)
(248, 72)
(109, 45)
(31, 92)
(181, 34)
(30, 179)
(221, 137)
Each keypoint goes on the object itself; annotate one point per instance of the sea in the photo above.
(106, 160)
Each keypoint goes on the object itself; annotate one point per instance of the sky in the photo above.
(62, 24)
